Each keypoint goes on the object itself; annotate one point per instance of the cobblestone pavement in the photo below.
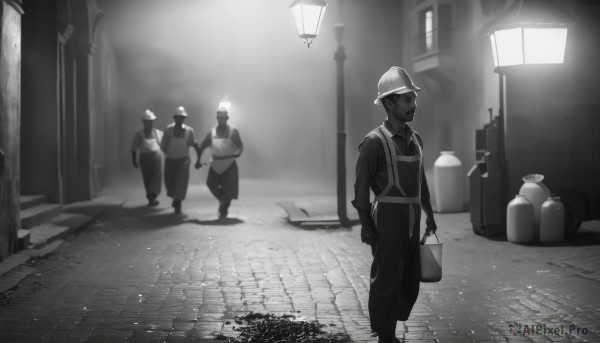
(144, 274)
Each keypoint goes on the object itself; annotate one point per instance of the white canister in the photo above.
(552, 221)
(536, 192)
(519, 220)
(448, 182)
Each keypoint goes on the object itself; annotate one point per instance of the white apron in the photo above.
(222, 147)
(150, 144)
(178, 146)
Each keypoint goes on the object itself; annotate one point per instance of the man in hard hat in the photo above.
(226, 145)
(178, 138)
(147, 142)
(390, 163)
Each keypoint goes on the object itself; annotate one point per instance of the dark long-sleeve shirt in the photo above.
(372, 171)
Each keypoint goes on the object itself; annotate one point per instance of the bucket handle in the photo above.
(427, 236)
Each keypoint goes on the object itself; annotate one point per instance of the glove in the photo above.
(368, 234)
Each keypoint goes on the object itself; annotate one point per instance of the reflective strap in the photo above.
(393, 174)
(374, 212)
(390, 143)
(398, 200)
(421, 170)
(390, 148)
(402, 158)
(389, 164)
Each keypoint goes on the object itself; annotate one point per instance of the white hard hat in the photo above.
(180, 111)
(394, 81)
(222, 112)
(148, 115)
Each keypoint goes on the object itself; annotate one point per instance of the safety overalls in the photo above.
(396, 212)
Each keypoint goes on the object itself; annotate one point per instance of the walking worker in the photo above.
(390, 163)
(226, 145)
(147, 141)
(178, 138)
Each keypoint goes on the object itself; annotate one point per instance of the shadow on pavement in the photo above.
(150, 217)
(219, 221)
(91, 210)
(583, 238)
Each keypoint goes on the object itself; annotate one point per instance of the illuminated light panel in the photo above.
(509, 47)
(545, 45)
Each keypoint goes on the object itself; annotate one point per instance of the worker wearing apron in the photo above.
(147, 141)
(226, 145)
(390, 163)
(178, 138)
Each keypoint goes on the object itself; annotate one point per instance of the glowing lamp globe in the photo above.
(529, 32)
(308, 15)
(225, 104)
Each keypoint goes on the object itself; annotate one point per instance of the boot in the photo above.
(152, 199)
(177, 206)
(224, 208)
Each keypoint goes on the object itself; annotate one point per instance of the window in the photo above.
(426, 43)
(431, 27)
(429, 30)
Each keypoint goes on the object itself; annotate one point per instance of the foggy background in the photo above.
(283, 94)
(198, 53)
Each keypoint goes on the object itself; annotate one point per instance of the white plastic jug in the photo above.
(448, 182)
(431, 260)
(552, 221)
(536, 193)
(519, 220)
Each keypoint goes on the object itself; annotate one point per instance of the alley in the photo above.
(143, 274)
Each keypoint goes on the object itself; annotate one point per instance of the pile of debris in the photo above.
(268, 328)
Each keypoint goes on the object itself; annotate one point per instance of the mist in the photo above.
(198, 53)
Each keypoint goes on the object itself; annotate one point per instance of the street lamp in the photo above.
(528, 32)
(525, 33)
(225, 104)
(308, 15)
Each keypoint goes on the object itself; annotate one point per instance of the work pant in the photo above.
(224, 186)
(151, 167)
(396, 268)
(177, 177)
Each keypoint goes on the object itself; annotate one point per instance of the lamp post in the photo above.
(308, 15)
(528, 32)
(340, 57)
